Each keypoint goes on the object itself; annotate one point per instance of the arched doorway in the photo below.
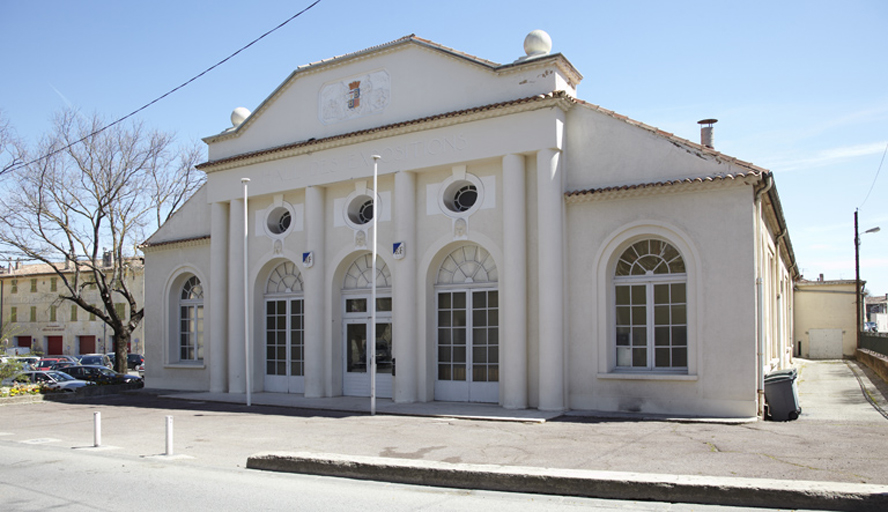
(284, 330)
(467, 306)
(356, 297)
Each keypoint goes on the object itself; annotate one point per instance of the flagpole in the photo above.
(372, 335)
(245, 181)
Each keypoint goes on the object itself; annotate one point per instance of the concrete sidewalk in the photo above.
(835, 456)
(837, 392)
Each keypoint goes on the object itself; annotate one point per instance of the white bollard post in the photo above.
(97, 429)
(169, 435)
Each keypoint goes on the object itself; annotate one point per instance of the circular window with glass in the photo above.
(279, 220)
(360, 210)
(461, 197)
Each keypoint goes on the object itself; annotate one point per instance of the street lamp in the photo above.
(857, 270)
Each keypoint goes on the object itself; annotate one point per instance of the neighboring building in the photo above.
(825, 327)
(877, 312)
(536, 250)
(39, 319)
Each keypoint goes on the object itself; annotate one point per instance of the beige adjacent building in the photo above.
(38, 319)
(825, 324)
(535, 250)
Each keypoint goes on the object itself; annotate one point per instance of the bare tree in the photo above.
(11, 152)
(84, 210)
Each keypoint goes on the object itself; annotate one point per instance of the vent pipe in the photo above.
(706, 131)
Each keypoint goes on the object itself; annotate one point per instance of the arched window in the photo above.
(650, 296)
(359, 274)
(191, 319)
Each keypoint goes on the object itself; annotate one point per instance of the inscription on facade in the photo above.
(389, 154)
(397, 153)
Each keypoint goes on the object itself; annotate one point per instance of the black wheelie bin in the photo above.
(782, 395)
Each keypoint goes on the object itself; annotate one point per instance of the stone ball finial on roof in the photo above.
(238, 116)
(537, 43)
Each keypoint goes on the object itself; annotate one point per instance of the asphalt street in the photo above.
(839, 438)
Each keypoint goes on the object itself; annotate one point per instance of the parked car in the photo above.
(101, 375)
(27, 362)
(95, 359)
(47, 363)
(134, 360)
(51, 379)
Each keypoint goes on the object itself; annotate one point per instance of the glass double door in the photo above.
(284, 345)
(468, 346)
(356, 327)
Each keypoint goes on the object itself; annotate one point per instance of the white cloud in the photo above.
(830, 156)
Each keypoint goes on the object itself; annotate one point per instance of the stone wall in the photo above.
(877, 362)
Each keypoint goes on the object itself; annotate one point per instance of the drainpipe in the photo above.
(784, 301)
(759, 295)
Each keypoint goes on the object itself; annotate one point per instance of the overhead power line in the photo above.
(143, 107)
(875, 178)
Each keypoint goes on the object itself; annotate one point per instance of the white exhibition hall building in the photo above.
(534, 250)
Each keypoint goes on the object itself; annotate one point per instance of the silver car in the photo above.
(51, 379)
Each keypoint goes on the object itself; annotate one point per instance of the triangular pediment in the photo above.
(406, 79)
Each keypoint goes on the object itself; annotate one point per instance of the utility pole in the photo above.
(857, 270)
(857, 276)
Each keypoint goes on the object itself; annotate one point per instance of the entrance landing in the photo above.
(458, 410)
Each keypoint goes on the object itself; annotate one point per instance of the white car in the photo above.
(51, 379)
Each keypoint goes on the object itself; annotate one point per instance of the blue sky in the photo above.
(799, 87)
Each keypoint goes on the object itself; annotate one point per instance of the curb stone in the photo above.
(744, 492)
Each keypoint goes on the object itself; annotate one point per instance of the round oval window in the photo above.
(279, 220)
(465, 198)
(360, 211)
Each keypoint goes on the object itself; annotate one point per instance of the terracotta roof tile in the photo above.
(666, 183)
(152, 245)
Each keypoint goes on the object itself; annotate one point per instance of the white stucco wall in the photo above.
(721, 376)
(165, 270)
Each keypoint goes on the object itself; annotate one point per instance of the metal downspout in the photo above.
(759, 296)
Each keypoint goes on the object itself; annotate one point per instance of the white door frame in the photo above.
(287, 383)
(464, 390)
(358, 383)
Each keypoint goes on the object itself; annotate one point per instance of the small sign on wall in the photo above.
(308, 259)
(399, 250)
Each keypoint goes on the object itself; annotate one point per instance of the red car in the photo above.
(47, 363)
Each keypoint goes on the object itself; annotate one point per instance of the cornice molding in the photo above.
(558, 99)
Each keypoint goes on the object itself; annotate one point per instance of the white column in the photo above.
(237, 382)
(550, 213)
(316, 364)
(404, 298)
(217, 298)
(513, 285)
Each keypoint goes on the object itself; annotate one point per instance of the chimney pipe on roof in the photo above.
(706, 131)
